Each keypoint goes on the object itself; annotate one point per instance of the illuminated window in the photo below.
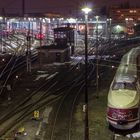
(130, 18)
(126, 19)
(135, 11)
(132, 11)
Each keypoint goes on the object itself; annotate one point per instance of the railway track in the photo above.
(66, 104)
(24, 108)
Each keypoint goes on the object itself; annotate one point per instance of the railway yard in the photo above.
(70, 78)
(61, 113)
(48, 102)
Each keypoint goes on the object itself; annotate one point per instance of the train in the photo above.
(123, 97)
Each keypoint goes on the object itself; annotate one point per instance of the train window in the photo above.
(130, 86)
(123, 85)
(117, 86)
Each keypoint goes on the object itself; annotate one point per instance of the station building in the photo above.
(128, 17)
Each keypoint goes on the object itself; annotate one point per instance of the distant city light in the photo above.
(113, 67)
(17, 76)
(126, 19)
(118, 26)
(109, 19)
(100, 27)
(71, 20)
(97, 17)
(3, 60)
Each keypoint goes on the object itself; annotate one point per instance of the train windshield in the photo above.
(123, 85)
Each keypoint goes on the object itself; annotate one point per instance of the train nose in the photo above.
(122, 122)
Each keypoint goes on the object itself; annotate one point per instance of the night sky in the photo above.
(60, 6)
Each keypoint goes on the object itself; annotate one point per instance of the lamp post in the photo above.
(40, 31)
(97, 61)
(110, 20)
(1, 28)
(126, 24)
(86, 10)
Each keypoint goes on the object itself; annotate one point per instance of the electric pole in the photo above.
(28, 52)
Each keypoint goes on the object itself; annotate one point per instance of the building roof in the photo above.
(63, 29)
(49, 15)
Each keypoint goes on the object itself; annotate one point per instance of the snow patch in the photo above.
(46, 114)
(41, 76)
(42, 72)
(46, 76)
(51, 76)
(134, 135)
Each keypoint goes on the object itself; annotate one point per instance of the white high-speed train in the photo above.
(123, 97)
